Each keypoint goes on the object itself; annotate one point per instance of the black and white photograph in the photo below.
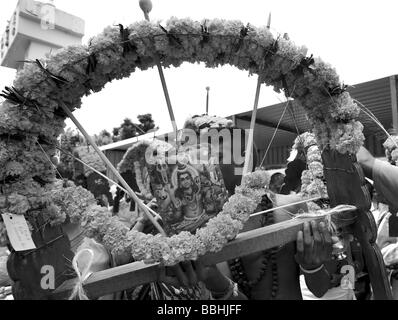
(221, 151)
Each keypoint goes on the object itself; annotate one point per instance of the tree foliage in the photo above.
(128, 129)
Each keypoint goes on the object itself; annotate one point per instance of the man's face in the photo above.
(185, 181)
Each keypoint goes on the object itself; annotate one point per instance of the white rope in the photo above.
(275, 132)
(285, 206)
(156, 215)
(327, 214)
(324, 213)
(78, 290)
(48, 158)
(369, 113)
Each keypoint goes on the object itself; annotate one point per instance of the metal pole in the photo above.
(207, 100)
(146, 7)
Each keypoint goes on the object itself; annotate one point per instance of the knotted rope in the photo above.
(78, 291)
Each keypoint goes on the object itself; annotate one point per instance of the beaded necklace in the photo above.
(268, 259)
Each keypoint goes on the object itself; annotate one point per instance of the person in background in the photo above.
(276, 182)
(295, 168)
(385, 177)
(379, 207)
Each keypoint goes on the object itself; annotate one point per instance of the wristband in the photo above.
(312, 271)
(232, 291)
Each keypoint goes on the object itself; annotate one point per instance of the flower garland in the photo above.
(88, 155)
(391, 149)
(55, 202)
(312, 179)
(31, 113)
(212, 238)
(206, 122)
(134, 160)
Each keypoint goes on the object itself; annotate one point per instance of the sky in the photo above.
(357, 37)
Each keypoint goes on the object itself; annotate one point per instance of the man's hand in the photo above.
(188, 274)
(366, 160)
(314, 248)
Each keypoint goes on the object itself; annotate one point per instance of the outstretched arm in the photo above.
(385, 175)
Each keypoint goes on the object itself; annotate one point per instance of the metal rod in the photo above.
(165, 89)
(269, 21)
(113, 169)
(207, 100)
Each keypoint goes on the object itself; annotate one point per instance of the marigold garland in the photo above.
(391, 149)
(31, 114)
(312, 179)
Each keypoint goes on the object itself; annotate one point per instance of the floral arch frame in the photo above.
(31, 120)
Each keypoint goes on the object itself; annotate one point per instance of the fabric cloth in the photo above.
(4, 277)
(388, 245)
(389, 249)
(337, 293)
(102, 260)
(161, 291)
(385, 178)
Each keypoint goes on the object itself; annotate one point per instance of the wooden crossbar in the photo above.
(135, 274)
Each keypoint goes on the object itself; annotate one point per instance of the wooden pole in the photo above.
(113, 169)
(249, 148)
(250, 143)
(146, 7)
(138, 273)
(207, 100)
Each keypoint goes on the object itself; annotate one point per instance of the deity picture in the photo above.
(188, 194)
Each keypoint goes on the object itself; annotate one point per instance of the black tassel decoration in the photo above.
(172, 38)
(58, 80)
(243, 34)
(127, 44)
(205, 34)
(337, 90)
(91, 64)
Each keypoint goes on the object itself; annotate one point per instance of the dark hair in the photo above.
(276, 182)
(179, 192)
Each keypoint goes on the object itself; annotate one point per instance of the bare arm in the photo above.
(313, 251)
(367, 161)
(385, 176)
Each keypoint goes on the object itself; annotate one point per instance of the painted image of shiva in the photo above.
(188, 196)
